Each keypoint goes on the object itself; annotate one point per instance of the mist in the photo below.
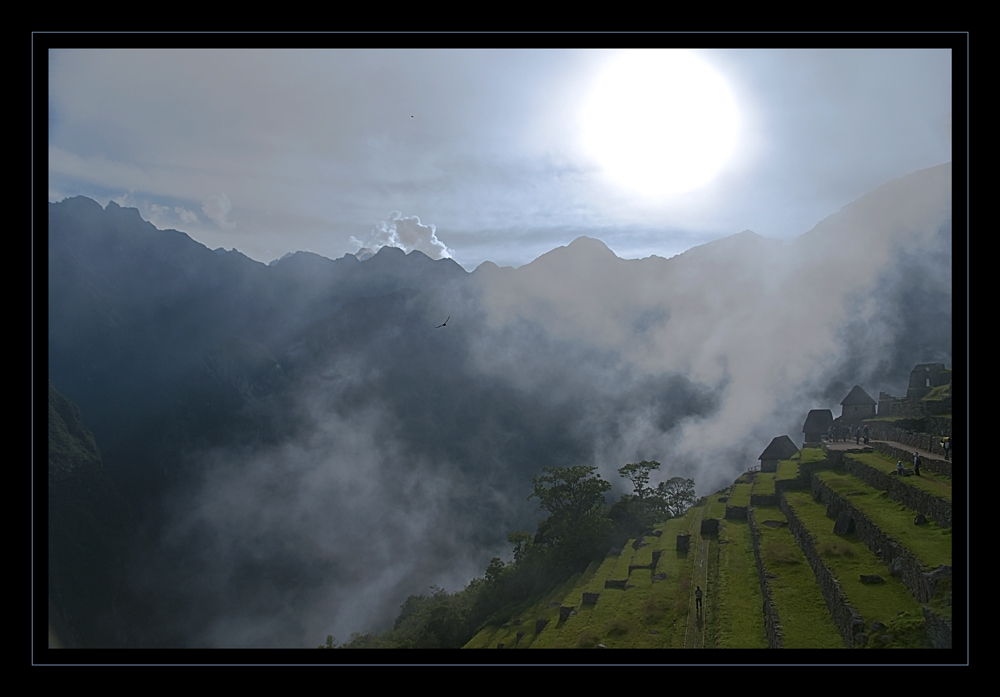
(386, 455)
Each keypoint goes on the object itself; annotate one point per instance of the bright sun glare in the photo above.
(660, 122)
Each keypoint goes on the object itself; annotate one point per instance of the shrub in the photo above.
(619, 627)
(836, 549)
(780, 553)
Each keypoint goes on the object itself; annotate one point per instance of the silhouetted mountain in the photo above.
(268, 422)
(96, 549)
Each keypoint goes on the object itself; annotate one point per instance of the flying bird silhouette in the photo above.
(443, 323)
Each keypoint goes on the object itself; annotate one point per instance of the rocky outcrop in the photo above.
(938, 629)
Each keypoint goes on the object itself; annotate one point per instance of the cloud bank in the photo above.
(406, 233)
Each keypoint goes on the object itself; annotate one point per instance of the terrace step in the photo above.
(795, 611)
(859, 610)
(929, 495)
(737, 596)
(920, 555)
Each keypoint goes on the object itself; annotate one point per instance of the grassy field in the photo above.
(740, 495)
(932, 483)
(930, 543)
(650, 613)
(763, 484)
(938, 393)
(738, 599)
(811, 455)
(574, 598)
(620, 570)
(805, 618)
(647, 614)
(787, 469)
(715, 508)
(848, 558)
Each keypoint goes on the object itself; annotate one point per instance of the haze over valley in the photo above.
(306, 446)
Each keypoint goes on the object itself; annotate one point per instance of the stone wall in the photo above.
(763, 500)
(937, 509)
(900, 561)
(857, 411)
(929, 441)
(848, 622)
(710, 526)
(916, 408)
(939, 425)
(933, 407)
(772, 623)
(736, 512)
(938, 630)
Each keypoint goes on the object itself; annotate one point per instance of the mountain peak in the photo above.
(589, 244)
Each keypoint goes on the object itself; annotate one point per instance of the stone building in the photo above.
(926, 377)
(857, 405)
(781, 448)
(817, 425)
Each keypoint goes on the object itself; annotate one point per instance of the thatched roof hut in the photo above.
(780, 448)
(818, 423)
(857, 404)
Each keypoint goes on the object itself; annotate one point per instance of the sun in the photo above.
(659, 122)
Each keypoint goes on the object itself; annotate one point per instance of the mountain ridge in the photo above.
(225, 393)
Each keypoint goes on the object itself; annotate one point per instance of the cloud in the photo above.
(217, 208)
(327, 532)
(406, 233)
(185, 215)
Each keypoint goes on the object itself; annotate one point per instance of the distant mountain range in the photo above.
(266, 421)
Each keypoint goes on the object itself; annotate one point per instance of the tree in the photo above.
(521, 541)
(638, 473)
(677, 494)
(577, 528)
(568, 493)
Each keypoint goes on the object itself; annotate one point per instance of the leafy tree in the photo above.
(495, 571)
(677, 495)
(648, 506)
(638, 473)
(522, 542)
(568, 493)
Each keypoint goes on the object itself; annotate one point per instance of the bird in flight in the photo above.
(443, 323)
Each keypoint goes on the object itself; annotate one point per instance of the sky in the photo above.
(497, 155)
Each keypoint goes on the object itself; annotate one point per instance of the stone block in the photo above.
(844, 525)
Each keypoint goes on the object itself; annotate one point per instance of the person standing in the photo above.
(947, 447)
(697, 598)
(865, 434)
(916, 464)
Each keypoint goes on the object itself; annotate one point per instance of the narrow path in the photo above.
(850, 445)
(694, 637)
